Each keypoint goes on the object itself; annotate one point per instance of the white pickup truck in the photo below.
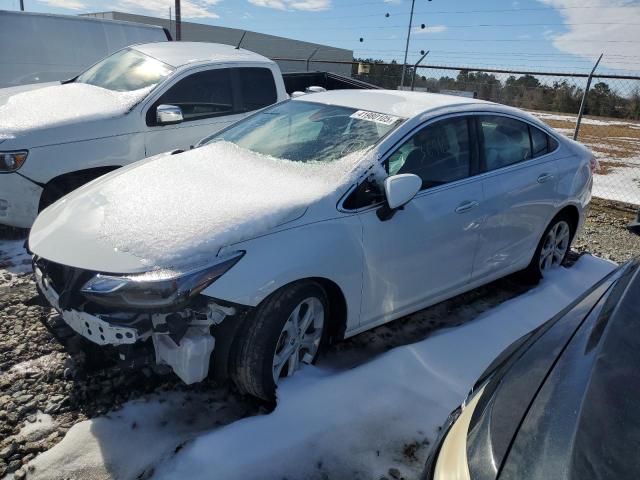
(140, 101)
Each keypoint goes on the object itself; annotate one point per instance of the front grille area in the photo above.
(65, 280)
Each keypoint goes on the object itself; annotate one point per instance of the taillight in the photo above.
(594, 165)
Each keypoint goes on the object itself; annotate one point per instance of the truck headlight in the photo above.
(12, 161)
(156, 290)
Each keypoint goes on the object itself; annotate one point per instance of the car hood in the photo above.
(63, 113)
(174, 210)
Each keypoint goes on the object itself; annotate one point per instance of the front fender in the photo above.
(330, 249)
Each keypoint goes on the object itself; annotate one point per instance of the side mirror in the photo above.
(398, 190)
(168, 115)
(634, 227)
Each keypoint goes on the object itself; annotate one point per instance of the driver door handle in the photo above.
(466, 206)
(545, 177)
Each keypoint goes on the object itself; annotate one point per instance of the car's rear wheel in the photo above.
(285, 331)
(552, 249)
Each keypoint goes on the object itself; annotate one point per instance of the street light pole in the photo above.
(406, 48)
(22, 5)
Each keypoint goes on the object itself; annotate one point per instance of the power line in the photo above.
(612, 55)
(513, 40)
(463, 12)
(475, 25)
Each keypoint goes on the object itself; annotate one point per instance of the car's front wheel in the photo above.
(284, 332)
(552, 249)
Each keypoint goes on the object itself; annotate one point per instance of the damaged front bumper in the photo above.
(180, 340)
(19, 199)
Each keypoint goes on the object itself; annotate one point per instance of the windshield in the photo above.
(306, 131)
(125, 71)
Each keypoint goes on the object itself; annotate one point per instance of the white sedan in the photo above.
(310, 221)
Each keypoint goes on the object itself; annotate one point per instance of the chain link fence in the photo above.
(610, 125)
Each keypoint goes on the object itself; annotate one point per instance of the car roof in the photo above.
(391, 102)
(177, 54)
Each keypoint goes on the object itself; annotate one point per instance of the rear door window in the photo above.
(257, 88)
(505, 141)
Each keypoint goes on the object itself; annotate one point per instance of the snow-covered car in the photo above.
(561, 402)
(310, 221)
(138, 102)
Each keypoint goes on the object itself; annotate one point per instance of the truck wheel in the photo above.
(60, 186)
(284, 331)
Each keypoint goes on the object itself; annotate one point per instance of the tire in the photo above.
(268, 336)
(561, 231)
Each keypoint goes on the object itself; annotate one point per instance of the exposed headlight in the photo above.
(452, 462)
(12, 161)
(157, 290)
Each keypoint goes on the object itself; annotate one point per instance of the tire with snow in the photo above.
(283, 332)
(552, 248)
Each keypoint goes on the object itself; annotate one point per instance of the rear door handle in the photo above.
(466, 206)
(545, 177)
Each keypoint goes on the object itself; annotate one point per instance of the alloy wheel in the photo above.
(555, 247)
(299, 339)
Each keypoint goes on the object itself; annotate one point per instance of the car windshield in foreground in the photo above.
(306, 132)
(125, 71)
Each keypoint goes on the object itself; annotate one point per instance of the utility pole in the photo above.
(178, 22)
(22, 5)
(406, 48)
(170, 31)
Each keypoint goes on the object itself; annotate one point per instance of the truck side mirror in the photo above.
(168, 115)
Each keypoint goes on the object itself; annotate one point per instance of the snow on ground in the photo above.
(585, 120)
(329, 423)
(14, 260)
(41, 426)
(619, 183)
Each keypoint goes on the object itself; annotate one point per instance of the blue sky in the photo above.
(565, 35)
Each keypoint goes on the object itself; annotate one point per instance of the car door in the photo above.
(426, 250)
(520, 188)
(210, 100)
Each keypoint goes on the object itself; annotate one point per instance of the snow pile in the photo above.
(64, 104)
(122, 444)
(349, 423)
(210, 197)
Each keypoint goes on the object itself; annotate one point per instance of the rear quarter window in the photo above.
(541, 143)
(257, 87)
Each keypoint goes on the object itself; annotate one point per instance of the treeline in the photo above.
(525, 91)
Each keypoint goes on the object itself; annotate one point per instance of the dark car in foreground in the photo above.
(563, 402)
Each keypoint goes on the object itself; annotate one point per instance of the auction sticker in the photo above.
(375, 117)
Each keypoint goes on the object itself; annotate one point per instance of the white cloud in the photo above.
(613, 39)
(68, 4)
(394, 2)
(430, 29)
(305, 5)
(277, 4)
(160, 8)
